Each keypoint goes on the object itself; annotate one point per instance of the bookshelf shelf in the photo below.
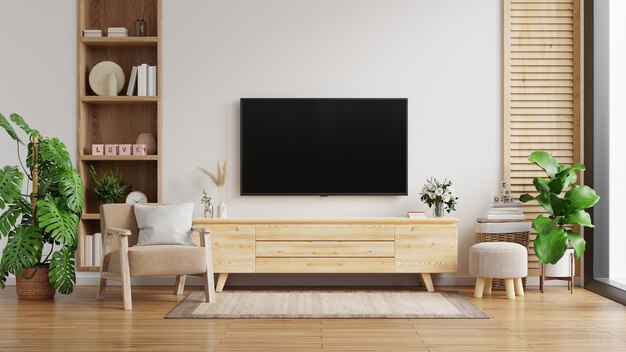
(116, 119)
(93, 99)
(120, 42)
(119, 158)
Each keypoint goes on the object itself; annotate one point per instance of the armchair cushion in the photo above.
(165, 260)
(164, 224)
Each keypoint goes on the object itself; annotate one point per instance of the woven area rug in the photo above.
(327, 305)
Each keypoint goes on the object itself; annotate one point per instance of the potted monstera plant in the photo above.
(41, 202)
(555, 232)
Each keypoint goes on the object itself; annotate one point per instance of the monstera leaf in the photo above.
(7, 127)
(55, 220)
(71, 188)
(54, 151)
(62, 274)
(18, 120)
(23, 249)
(8, 219)
(11, 180)
(3, 276)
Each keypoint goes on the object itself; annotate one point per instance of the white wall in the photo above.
(444, 56)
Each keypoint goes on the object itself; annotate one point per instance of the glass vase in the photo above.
(438, 210)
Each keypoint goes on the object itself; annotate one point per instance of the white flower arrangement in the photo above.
(437, 192)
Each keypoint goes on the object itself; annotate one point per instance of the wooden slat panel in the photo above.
(324, 265)
(321, 232)
(541, 91)
(324, 249)
(426, 249)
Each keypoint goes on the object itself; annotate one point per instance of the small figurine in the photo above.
(208, 204)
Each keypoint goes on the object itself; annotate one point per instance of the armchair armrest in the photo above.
(200, 229)
(117, 231)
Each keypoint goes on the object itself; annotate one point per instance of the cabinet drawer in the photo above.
(233, 248)
(323, 232)
(324, 265)
(324, 249)
(426, 248)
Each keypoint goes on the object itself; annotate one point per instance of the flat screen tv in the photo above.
(323, 146)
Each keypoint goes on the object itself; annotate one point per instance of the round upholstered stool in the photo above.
(498, 260)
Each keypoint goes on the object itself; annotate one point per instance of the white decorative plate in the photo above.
(99, 78)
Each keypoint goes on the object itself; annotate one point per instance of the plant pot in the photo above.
(562, 268)
(34, 284)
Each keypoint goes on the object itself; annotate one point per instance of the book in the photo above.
(152, 77)
(142, 78)
(491, 216)
(113, 35)
(92, 33)
(417, 216)
(88, 251)
(506, 205)
(117, 30)
(132, 82)
(97, 249)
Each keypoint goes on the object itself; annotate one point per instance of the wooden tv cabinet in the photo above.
(333, 245)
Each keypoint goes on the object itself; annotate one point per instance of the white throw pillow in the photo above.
(164, 224)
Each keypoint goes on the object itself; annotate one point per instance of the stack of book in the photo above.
(92, 250)
(416, 214)
(117, 32)
(505, 211)
(143, 81)
(92, 33)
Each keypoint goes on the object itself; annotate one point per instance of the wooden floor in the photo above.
(553, 321)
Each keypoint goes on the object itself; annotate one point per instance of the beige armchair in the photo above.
(122, 260)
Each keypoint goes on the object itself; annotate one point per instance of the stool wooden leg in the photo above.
(488, 284)
(510, 290)
(480, 286)
(519, 288)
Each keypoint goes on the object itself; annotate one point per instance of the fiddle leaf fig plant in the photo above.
(47, 215)
(554, 233)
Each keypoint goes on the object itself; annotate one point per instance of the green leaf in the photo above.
(541, 224)
(3, 276)
(62, 273)
(526, 198)
(545, 203)
(71, 188)
(23, 249)
(545, 161)
(550, 246)
(55, 220)
(559, 206)
(541, 184)
(8, 219)
(578, 167)
(581, 217)
(55, 152)
(18, 120)
(7, 127)
(581, 197)
(577, 242)
(11, 180)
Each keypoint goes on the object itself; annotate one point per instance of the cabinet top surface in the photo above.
(321, 221)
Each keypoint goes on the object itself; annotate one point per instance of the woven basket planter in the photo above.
(34, 284)
(515, 237)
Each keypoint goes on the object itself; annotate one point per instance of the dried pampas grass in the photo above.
(219, 179)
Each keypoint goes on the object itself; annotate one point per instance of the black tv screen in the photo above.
(323, 146)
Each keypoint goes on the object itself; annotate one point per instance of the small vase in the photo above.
(438, 210)
(140, 27)
(221, 210)
(150, 142)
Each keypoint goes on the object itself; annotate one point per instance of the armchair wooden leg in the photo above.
(102, 285)
(221, 281)
(179, 286)
(128, 301)
(209, 287)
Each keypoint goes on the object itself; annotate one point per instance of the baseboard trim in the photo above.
(277, 280)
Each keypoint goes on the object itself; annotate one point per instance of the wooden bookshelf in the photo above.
(117, 119)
